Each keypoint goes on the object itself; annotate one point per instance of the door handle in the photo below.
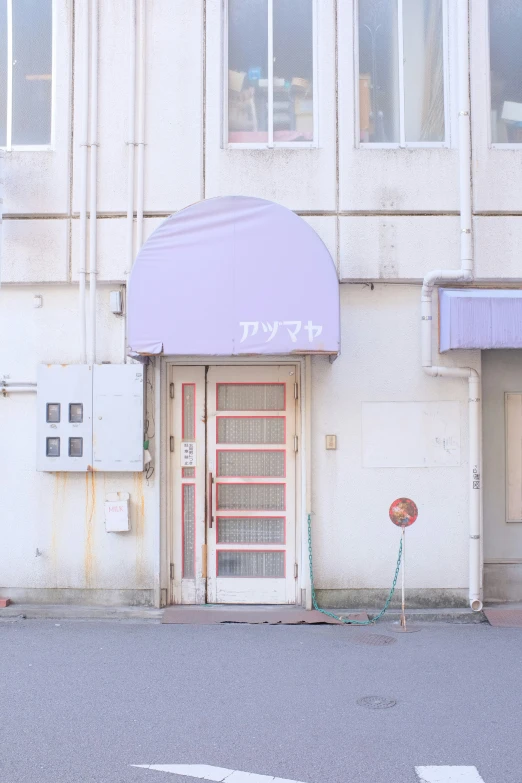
(210, 487)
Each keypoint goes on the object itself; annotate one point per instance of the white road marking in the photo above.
(222, 775)
(448, 775)
(216, 774)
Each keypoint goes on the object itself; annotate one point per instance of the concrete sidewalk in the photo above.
(151, 614)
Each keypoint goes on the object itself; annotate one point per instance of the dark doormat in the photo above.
(504, 618)
(254, 615)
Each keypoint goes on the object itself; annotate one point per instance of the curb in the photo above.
(73, 612)
(456, 616)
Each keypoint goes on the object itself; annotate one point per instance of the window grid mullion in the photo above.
(270, 96)
(400, 40)
(9, 119)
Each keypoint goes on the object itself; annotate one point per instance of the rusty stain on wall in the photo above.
(58, 506)
(90, 508)
(139, 515)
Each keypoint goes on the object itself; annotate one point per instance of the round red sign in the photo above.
(403, 512)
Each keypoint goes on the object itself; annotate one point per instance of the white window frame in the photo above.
(402, 143)
(9, 146)
(494, 145)
(270, 144)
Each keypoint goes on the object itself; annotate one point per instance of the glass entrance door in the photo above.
(242, 550)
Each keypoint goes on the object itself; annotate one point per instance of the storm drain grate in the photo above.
(375, 639)
(376, 702)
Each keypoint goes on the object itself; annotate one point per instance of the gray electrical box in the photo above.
(64, 413)
(90, 417)
(118, 413)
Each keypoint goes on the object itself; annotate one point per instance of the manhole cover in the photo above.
(376, 639)
(376, 702)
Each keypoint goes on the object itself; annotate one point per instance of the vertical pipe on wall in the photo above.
(131, 144)
(93, 205)
(84, 163)
(308, 476)
(141, 128)
(464, 274)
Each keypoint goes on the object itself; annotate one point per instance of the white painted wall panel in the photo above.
(113, 98)
(410, 434)
(397, 247)
(301, 179)
(35, 251)
(50, 334)
(112, 232)
(498, 247)
(174, 105)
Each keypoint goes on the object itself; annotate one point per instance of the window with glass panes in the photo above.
(25, 72)
(269, 77)
(402, 70)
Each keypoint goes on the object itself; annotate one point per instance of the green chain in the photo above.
(336, 616)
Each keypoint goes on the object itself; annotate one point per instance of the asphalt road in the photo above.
(82, 701)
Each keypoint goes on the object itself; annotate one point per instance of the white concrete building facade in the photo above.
(395, 145)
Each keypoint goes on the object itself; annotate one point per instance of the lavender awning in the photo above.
(480, 318)
(232, 276)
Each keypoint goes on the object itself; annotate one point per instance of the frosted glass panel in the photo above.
(271, 564)
(252, 497)
(188, 472)
(251, 463)
(32, 71)
(252, 530)
(189, 517)
(189, 416)
(251, 396)
(250, 431)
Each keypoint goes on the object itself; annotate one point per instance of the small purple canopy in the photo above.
(231, 276)
(480, 318)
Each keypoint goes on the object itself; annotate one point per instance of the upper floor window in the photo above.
(270, 73)
(25, 73)
(505, 53)
(402, 59)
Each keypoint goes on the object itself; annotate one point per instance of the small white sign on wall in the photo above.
(117, 513)
(188, 454)
(410, 434)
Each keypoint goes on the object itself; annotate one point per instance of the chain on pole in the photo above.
(336, 616)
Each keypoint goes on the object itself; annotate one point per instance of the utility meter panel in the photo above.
(118, 415)
(64, 411)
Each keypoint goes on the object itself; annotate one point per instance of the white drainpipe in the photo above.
(464, 274)
(141, 128)
(131, 144)
(84, 144)
(93, 205)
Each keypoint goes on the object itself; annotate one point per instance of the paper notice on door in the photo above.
(188, 454)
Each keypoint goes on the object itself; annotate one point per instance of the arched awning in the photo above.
(232, 276)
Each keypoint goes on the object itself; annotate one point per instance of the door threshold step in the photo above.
(253, 615)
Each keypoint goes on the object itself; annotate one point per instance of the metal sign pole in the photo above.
(403, 513)
(403, 616)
